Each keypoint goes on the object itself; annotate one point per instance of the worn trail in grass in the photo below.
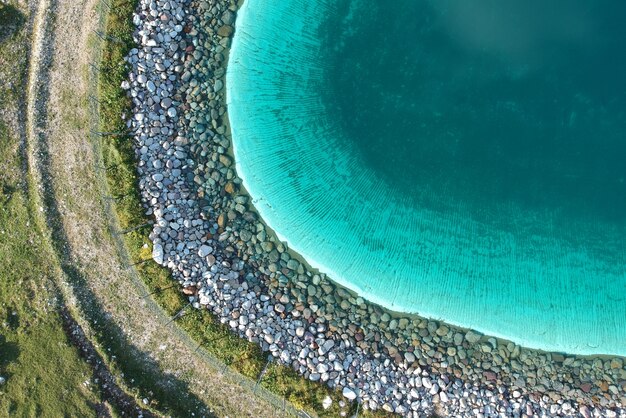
(44, 373)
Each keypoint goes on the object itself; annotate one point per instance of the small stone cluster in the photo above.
(208, 234)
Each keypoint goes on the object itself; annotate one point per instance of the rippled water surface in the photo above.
(461, 160)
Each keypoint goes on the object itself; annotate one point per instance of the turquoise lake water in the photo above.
(459, 160)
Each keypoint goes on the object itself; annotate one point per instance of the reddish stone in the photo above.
(490, 376)
(221, 220)
(191, 290)
(230, 187)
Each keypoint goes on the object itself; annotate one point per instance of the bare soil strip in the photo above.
(99, 285)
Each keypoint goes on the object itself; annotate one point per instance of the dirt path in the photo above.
(71, 191)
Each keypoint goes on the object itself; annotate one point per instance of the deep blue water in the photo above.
(491, 101)
(460, 160)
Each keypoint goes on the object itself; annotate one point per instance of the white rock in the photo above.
(157, 253)
(349, 393)
(328, 344)
(322, 368)
(205, 250)
(584, 411)
(434, 389)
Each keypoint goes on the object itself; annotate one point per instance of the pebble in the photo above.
(225, 31)
(204, 250)
(472, 337)
(157, 253)
(349, 393)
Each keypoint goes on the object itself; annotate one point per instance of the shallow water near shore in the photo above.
(462, 164)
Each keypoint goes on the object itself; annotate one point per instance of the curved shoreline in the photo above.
(217, 249)
(351, 228)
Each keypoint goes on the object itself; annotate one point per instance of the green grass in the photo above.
(241, 355)
(45, 376)
(12, 37)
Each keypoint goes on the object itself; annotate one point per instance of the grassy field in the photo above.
(45, 376)
(216, 338)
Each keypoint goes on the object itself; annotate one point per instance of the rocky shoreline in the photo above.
(208, 234)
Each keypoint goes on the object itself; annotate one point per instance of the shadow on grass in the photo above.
(11, 19)
(9, 352)
(140, 372)
(164, 391)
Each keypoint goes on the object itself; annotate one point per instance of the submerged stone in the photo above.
(461, 161)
